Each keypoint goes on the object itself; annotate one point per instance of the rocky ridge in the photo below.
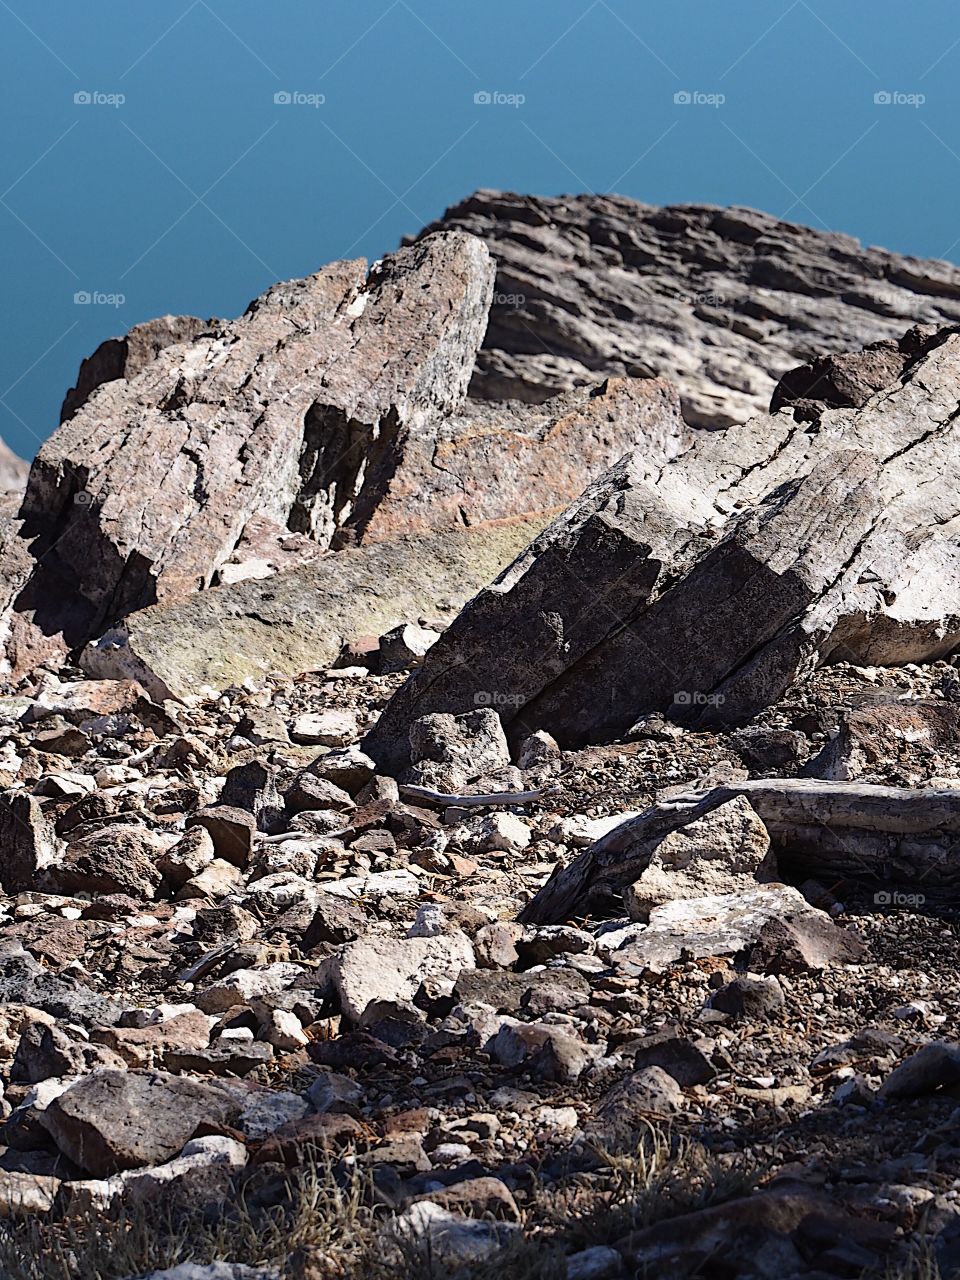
(601, 924)
(722, 300)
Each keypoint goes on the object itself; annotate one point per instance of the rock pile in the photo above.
(378, 909)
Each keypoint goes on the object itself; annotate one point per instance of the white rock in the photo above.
(241, 986)
(375, 968)
(333, 1092)
(264, 1111)
(284, 1030)
(430, 922)
(504, 832)
(379, 884)
(581, 831)
(450, 1238)
(326, 728)
(197, 1158)
(594, 1264)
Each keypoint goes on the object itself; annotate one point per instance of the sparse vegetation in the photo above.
(328, 1216)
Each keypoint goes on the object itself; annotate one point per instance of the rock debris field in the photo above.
(480, 769)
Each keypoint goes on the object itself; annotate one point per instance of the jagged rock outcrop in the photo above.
(331, 414)
(724, 301)
(706, 586)
(491, 463)
(147, 489)
(127, 356)
(848, 379)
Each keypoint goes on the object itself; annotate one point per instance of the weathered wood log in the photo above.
(893, 837)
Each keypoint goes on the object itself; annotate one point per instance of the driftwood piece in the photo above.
(893, 837)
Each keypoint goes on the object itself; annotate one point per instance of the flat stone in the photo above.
(114, 1120)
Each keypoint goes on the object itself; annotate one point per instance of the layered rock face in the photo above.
(724, 301)
(146, 490)
(706, 586)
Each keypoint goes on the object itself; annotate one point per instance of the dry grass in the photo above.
(319, 1214)
(333, 1221)
(659, 1176)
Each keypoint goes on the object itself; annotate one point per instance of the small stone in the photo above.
(495, 945)
(326, 728)
(215, 881)
(284, 1031)
(538, 749)
(935, 1066)
(253, 787)
(403, 648)
(755, 998)
(332, 1092)
(186, 858)
(231, 830)
(393, 969)
(599, 1262)
(243, 985)
(546, 1051)
(486, 1197)
(625, 1107)
(503, 832)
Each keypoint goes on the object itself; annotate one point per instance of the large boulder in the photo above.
(114, 1120)
(287, 412)
(706, 586)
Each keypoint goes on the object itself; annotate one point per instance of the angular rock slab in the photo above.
(114, 1120)
(299, 620)
(715, 925)
(706, 586)
(726, 849)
